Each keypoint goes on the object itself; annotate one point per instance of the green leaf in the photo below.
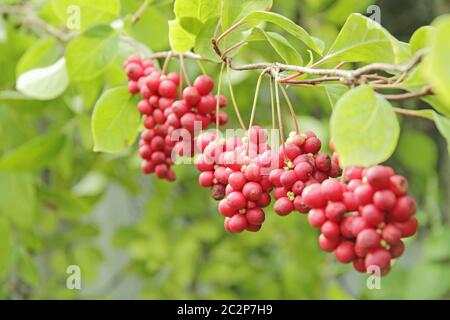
(335, 92)
(5, 239)
(44, 83)
(280, 45)
(17, 198)
(81, 14)
(89, 54)
(425, 152)
(419, 39)
(416, 81)
(437, 61)
(362, 40)
(364, 128)
(115, 121)
(203, 41)
(443, 125)
(180, 40)
(27, 269)
(42, 54)
(234, 10)
(287, 25)
(34, 154)
(200, 9)
(191, 25)
(151, 26)
(340, 9)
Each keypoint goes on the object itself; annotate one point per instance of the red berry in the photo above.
(153, 81)
(397, 249)
(378, 177)
(174, 77)
(188, 121)
(237, 223)
(298, 187)
(364, 194)
(253, 227)
(165, 103)
(179, 108)
(391, 234)
(353, 173)
(255, 216)
(404, 209)
(207, 104)
(221, 174)
(335, 210)
(264, 200)
(372, 215)
(225, 209)
(218, 192)
(330, 230)
(328, 244)
(359, 224)
(252, 191)
(274, 177)
(161, 170)
(313, 197)
(147, 167)
(316, 218)
(368, 239)
(206, 179)
(291, 151)
(332, 189)
(347, 227)
(384, 199)
(237, 180)
(398, 185)
(303, 170)
(167, 89)
(380, 258)
(299, 205)
(323, 162)
(345, 252)
(283, 206)
(134, 71)
(349, 199)
(253, 172)
(236, 200)
(288, 178)
(312, 145)
(408, 228)
(359, 265)
(204, 84)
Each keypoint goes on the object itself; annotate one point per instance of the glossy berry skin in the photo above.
(283, 206)
(237, 223)
(345, 252)
(332, 189)
(167, 89)
(191, 96)
(384, 200)
(378, 177)
(404, 209)
(204, 84)
(330, 230)
(313, 197)
(368, 239)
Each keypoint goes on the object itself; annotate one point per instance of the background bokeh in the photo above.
(136, 237)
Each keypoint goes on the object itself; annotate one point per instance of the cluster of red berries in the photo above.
(301, 164)
(163, 113)
(237, 170)
(364, 218)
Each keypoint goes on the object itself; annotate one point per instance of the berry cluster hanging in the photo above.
(362, 213)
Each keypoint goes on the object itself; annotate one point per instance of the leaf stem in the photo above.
(233, 100)
(291, 108)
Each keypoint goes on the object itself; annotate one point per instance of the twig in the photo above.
(233, 100)
(138, 14)
(413, 113)
(404, 96)
(233, 47)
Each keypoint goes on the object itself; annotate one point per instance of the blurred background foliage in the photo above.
(136, 237)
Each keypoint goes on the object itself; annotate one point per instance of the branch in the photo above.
(404, 96)
(413, 113)
(137, 15)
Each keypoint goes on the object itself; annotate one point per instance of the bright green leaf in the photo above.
(115, 121)
(81, 14)
(280, 45)
(89, 54)
(362, 40)
(44, 83)
(200, 9)
(419, 39)
(33, 154)
(234, 10)
(191, 25)
(437, 62)
(42, 54)
(180, 40)
(335, 92)
(17, 198)
(443, 125)
(5, 239)
(287, 25)
(27, 268)
(364, 128)
(203, 42)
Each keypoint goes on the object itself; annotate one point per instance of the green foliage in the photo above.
(364, 127)
(64, 97)
(115, 121)
(89, 54)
